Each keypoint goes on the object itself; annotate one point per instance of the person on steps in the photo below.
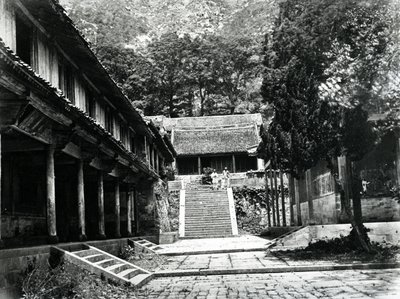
(226, 178)
(214, 177)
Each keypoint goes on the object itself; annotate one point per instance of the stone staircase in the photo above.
(103, 263)
(208, 214)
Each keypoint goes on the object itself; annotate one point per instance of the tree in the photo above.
(322, 60)
(240, 66)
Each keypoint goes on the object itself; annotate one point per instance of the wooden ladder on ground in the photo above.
(103, 263)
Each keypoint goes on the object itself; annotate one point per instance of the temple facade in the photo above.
(77, 160)
(214, 141)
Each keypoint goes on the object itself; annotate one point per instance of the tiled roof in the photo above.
(235, 139)
(8, 57)
(207, 121)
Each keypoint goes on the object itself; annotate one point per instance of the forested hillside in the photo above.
(180, 58)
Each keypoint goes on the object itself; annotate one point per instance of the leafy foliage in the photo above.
(179, 58)
(321, 62)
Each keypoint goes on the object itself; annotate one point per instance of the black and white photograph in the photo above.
(199, 149)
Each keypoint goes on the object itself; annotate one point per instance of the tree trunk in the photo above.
(355, 215)
(171, 106)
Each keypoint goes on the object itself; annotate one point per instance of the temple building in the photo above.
(77, 160)
(214, 141)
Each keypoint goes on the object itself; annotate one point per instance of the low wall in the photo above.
(327, 210)
(15, 225)
(388, 232)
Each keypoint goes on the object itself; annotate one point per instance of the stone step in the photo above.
(212, 224)
(219, 232)
(206, 212)
(209, 220)
(198, 217)
(194, 235)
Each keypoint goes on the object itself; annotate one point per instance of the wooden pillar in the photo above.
(276, 198)
(152, 157)
(297, 199)
(117, 210)
(199, 164)
(291, 198)
(271, 177)
(282, 198)
(233, 164)
(267, 198)
(129, 211)
(100, 206)
(309, 197)
(1, 242)
(157, 163)
(135, 207)
(398, 160)
(146, 150)
(81, 202)
(51, 196)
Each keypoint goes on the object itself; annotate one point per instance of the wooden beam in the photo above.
(22, 145)
(199, 165)
(100, 206)
(72, 150)
(276, 198)
(1, 242)
(282, 198)
(297, 199)
(271, 178)
(267, 198)
(117, 209)
(129, 199)
(51, 196)
(81, 203)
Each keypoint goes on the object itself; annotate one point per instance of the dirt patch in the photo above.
(342, 250)
(147, 261)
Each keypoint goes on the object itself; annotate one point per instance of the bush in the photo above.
(70, 282)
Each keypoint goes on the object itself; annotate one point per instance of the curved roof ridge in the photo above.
(215, 128)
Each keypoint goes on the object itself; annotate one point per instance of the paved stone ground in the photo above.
(238, 260)
(328, 284)
(245, 242)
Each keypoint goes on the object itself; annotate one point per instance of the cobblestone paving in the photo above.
(254, 259)
(238, 260)
(328, 284)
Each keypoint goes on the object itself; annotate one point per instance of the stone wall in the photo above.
(162, 206)
(380, 209)
(304, 212)
(327, 210)
(20, 225)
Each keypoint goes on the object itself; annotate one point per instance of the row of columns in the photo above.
(51, 202)
(275, 197)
